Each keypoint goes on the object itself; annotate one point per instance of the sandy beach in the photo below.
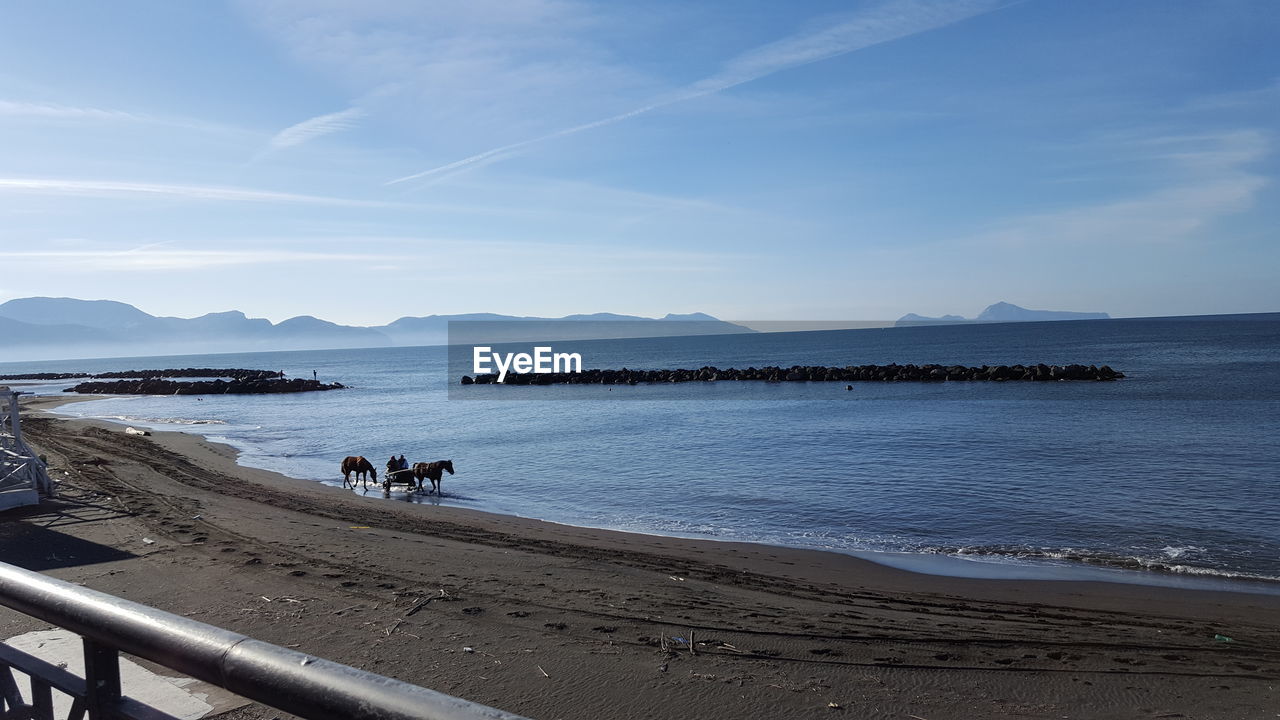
(565, 622)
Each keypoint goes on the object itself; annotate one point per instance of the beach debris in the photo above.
(1223, 638)
(148, 541)
(677, 579)
(197, 517)
(834, 705)
(662, 667)
(544, 672)
(392, 629)
(468, 649)
(442, 596)
(136, 431)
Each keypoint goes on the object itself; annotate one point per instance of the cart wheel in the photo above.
(386, 485)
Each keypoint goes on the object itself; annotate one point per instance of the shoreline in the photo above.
(930, 564)
(563, 621)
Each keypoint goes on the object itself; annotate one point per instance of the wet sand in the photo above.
(566, 622)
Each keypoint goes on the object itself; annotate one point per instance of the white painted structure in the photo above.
(22, 475)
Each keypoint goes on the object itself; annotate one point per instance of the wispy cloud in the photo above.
(10, 108)
(55, 112)
(151, 258)
(385, 252)
(308, 130)
(1203, 178)
(109, 188)
(888, 22)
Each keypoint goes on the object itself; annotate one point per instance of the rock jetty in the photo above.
(233, 373)
(814, 373)
(45, 376)
(201, 387)
(233, 381)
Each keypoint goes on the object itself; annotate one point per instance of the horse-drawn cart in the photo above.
(401, 477)
(414, 476)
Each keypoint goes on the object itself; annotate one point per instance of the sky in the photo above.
(753, 160)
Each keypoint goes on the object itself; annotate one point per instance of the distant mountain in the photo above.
(1001, 312)
(102, 314)
(490, 328)
(42, 327)
(14, 333)
(914, 319)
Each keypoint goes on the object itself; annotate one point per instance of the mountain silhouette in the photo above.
(1001, 312)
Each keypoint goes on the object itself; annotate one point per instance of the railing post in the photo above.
(14, 423)
(41, 699)
(101, 679)
(10, 698)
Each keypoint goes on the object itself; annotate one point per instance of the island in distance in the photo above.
(1001, 312)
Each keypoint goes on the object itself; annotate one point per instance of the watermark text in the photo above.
(543, 360)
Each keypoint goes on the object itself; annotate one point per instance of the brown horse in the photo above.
(358, 465)
(432, 471)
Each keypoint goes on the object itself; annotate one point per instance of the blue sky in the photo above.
(754, 160)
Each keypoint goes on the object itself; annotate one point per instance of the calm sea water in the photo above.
(1173, 471)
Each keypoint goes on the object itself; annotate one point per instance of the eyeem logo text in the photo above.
(542, 361)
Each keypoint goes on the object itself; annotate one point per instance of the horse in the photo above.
(358, 465)
(433, 471)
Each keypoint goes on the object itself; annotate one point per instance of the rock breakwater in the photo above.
(815, 373)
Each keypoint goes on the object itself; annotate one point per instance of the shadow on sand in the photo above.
(30, 540)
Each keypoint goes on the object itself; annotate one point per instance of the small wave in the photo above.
(1108, 560)
(164, 420)
(1173, 553)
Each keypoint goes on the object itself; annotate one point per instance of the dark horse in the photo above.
(358, 465)
(432, 471)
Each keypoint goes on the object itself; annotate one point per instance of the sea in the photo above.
(1169, 476)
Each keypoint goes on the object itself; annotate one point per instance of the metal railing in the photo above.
(287, 680)
(19, 466)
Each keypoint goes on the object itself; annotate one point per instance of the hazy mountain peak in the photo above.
(103, 314)
(1003, 312)
(694, 316)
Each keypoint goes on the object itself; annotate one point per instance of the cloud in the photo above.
(1204, 178)
(9, 108)
(308, 130)
(888, 22)
(68, 113)
(390, 252)
(109, 188)
(453, 71)
(149, 258)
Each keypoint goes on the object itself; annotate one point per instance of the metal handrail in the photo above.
(285, 679)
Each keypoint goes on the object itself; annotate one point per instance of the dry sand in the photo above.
(566, 622)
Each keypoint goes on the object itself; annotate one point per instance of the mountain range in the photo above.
(43, 327)
(1001, 312)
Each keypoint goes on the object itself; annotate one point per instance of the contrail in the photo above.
(890, 21)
